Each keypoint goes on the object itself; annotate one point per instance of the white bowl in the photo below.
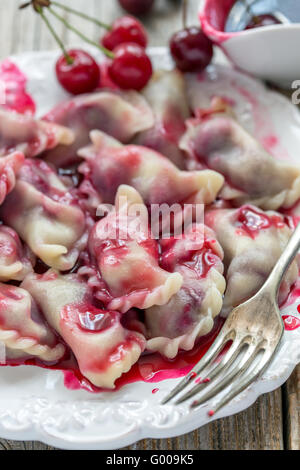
(270, 52)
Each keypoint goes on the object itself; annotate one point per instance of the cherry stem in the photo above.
(82, 15)
(185, 13)
(105, 51)
(24, 5)
(52, 31)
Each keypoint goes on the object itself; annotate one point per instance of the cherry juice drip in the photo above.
(150, 368)
(250, 221)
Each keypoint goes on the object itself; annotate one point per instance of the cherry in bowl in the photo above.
(262, 20)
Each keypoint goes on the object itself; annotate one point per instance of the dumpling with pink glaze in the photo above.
(166, 95)
(108, 164)
(104, 349)
(119, 114)
(45, 215)
(22, 328)
(127, 256)
(252, 240)
(217, 141)
(16, 260)
(190, 313)
(9, 167)
(29, 136)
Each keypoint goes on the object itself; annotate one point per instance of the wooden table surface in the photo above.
(273, 422)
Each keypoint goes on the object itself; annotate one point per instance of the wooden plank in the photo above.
(292, 408)
(259, 427)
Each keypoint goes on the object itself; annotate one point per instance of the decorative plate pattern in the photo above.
(35, 405)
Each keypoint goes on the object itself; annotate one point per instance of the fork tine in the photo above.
(248, 358)
(244, 383)
(210, 355)
(226, 362)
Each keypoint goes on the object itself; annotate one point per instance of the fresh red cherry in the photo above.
(191, 49)
(125, 29)
(137, 7)
(262, 20)
(80, 76)
(131, 67)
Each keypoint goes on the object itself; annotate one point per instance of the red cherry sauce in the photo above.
(198, 252)
(155, 368)
(150, 368)
(39, 174)
(85, 318)
(269, 142)
(9, 292)
(290, 322)
(173, 124)
(90, 318)
(14, 92)
(251, 221)
(111, 168)
(294, 295)
(10, 245)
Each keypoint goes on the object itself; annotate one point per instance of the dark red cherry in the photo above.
(131, 67)
(137, 7)
(262, 20)
(125, 29)
(80, 76)
(191, 49)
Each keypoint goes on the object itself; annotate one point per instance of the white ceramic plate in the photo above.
(34, 403)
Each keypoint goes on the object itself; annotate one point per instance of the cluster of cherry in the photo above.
(124, 44)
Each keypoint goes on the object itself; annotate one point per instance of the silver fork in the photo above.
(255, 329)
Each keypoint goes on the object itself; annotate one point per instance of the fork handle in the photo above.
(274, 280)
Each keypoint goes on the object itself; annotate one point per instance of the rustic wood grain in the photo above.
(273, 421)
(291, 396)
(258, 428)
